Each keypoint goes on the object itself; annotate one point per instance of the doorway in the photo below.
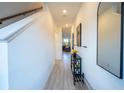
(66, 46)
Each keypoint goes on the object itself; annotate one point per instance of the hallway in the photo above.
(61, 77)
(36, 38)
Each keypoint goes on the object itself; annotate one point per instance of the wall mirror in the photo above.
(110, 37)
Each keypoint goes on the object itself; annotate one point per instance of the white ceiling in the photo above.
(56, 10)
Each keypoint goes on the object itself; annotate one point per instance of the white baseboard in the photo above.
(87, 84)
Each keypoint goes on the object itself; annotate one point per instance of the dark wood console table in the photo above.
(78, 76)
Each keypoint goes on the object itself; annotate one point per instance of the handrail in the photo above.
(19, 14)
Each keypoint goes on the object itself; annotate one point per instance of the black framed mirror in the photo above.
(110, 37)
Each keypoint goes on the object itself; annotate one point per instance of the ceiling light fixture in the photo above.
(64, 11)
(66, 25)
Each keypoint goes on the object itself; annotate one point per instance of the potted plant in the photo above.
(74, 52)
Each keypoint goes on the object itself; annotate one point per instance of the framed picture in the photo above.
(78, 29)
(72, 40)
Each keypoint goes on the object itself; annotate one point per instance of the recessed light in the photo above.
(64, 11)
(66, 25)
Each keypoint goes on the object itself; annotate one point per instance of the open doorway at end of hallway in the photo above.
(66, 46)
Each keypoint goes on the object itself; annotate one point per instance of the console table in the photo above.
(78, 76)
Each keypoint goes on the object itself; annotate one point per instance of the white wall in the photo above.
(31, 53)
(11, 8)
(58, 40)
(3, 65)
(96, 76)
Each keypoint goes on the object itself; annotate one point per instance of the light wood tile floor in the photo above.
(61, 77)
